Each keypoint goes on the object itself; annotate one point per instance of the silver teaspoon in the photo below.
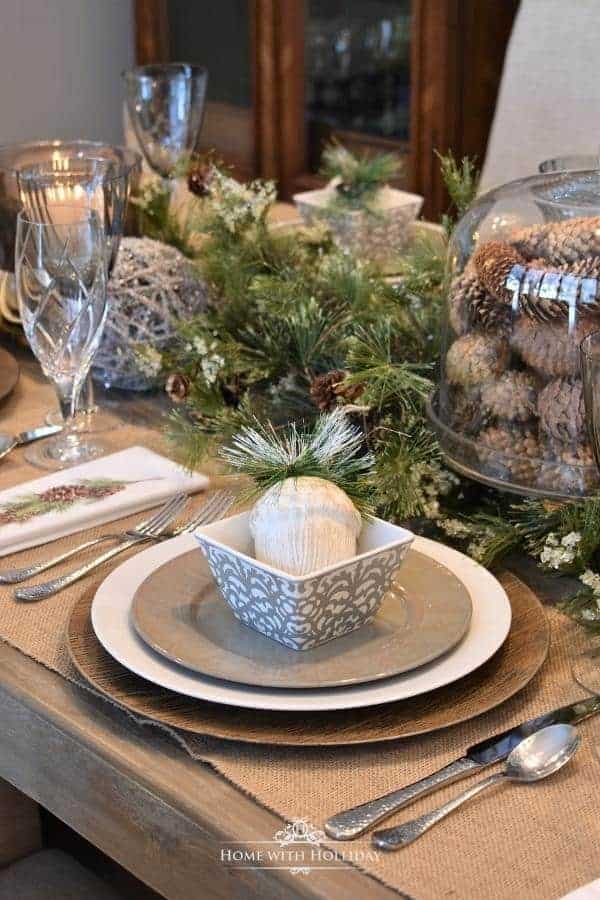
(8, 442)
(539, 755)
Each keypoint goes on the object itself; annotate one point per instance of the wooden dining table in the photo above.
(165, 816)
(128, 790)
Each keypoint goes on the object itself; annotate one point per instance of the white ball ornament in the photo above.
(304, 524)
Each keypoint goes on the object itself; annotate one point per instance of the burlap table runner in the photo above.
(520, 842)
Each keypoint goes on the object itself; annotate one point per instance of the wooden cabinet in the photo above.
(413, 76)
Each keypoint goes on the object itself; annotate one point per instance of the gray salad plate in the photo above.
(179, 613)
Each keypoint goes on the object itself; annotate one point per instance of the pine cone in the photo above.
(562, 411)
(328, 387)
(512, 397)
(560, 242)
(493, 262)
(548, 347)
(198, 179)
(547, 309)
(475, 358)
(572, 470)
(64, 493)
(510, 453)
(463, 410)
(178, 387)
(586, 267)
(470, 304)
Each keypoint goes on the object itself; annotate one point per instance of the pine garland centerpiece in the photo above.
(295, 327)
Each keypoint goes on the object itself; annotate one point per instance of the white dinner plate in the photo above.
(490, 623)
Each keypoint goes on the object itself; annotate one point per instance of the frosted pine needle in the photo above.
(331, 450)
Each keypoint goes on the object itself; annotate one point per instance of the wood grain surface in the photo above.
(507, 672)
(9, 373)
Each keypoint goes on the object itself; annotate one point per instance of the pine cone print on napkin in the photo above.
(59, 498)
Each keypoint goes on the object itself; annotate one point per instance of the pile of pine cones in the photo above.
(513, 379)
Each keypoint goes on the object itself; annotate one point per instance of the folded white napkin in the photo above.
(96, 492)
(589, 891)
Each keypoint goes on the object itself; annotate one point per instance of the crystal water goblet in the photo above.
(101, 184)
(166, 106)
(83, 183)
(586, 668)
(60, 272)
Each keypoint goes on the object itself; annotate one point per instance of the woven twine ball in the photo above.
(548, 347)
(475, 358)
(561, 410)
(153, 286)
(510, 452)
(512, 397)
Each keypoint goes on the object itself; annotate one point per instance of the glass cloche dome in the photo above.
(523, 292)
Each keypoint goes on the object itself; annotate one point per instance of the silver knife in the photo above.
(353, 822)
(8, 442)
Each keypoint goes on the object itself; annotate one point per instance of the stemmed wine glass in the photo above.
(100, 184)
(586, 669)
(166, 106)
(60, 272)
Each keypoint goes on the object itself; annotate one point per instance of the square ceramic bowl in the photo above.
(304, 611)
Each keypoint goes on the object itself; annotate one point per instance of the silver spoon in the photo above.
(8, 442)
(539, 755)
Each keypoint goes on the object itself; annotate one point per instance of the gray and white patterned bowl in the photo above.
(302, 612)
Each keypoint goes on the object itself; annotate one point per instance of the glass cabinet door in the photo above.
(408, 76)
(357, 73)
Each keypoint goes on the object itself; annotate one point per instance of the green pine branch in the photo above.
(360, 175)
(332, 449)
(375, 361)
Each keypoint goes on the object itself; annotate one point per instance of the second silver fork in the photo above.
(214, 508)
(159, 524)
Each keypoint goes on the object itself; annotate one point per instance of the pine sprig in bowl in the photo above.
(312, 490)
(358, 177)
(331, 451)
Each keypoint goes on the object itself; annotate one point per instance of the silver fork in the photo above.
(214, 508)
(159, 523)
(16, 576)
